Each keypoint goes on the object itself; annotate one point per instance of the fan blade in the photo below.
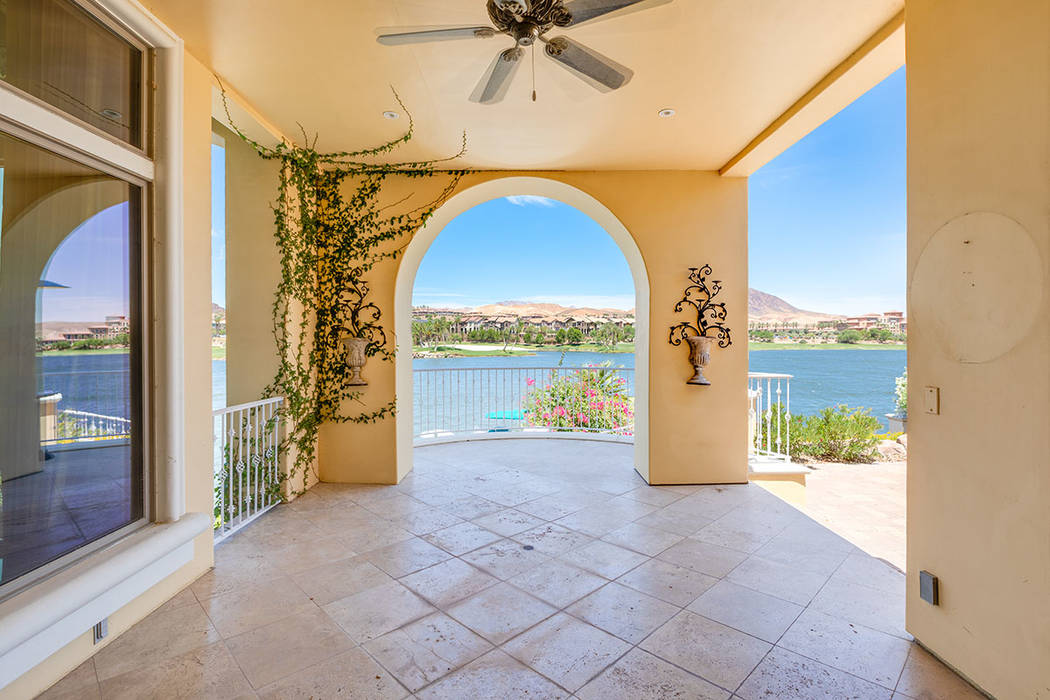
(496, 81)
(587, 10)
(447, 34)
(600, 71)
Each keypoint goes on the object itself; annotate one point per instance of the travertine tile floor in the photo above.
(528, 569)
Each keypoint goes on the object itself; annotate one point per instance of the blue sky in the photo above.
(828, 217)
(93, 263)
(524, 249)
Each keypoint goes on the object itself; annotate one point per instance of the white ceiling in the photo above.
(728, 67)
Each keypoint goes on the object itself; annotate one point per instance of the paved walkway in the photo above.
(539, 569)
(865, 503)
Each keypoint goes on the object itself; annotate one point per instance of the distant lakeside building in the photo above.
(112, 327)
(468, 320)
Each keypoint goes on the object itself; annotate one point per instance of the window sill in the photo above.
(40, 620)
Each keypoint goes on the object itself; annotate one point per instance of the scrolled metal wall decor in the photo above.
(709, 326)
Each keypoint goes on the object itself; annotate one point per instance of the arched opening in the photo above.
(468, 199)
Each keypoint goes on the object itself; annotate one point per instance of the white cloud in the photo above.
(526, 200)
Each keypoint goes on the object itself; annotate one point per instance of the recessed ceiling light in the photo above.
(390, 115)
(111, 113)
(666, 112)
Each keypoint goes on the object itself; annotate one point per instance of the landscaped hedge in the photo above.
(835, 434)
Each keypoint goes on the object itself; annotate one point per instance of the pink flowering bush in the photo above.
(592, 399)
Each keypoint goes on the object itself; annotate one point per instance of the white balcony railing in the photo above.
(247, 470)
(457, 402)
(769, 424)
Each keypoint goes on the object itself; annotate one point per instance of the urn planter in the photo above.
(356, 359)
(700, 357)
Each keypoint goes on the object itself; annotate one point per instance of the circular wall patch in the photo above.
(978, 286)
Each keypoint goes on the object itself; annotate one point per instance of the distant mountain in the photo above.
(216, 309)
(766, 307)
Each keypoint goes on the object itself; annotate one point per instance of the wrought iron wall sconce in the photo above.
(709, 327)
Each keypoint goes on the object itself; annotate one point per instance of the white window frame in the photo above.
(48, 614)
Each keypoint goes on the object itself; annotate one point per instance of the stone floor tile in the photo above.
(351, 674)
(426, 650)
(680, 523)
(709, 649)
(871, 572)
(594, 521)
(604, 559)
(339, 579)
(376, 611)
(749, 611)
(295, 558)
(641, 676)
(403, 558)
(557, 583)
(500, 612)
(234, 567)
(704, 557)
(470, 507)
(255, 605)
(79, 684)
(282, 648)
(629, 614)
(926, 678)
(552, 539)
(777, 580)
(804, 556)
(448, 582)
(180, 600)
(863, 605)
(425, 521)
(567, 651)
(508, 522)
(550, 507)
(374, 536)
(783, 674)
(505, 559)
(494, 676)
(872, 655)
(743, 537)
(462, 538)
(158, 637)
(669, 582)
(208, 672)
(647, 540)
(653, 496)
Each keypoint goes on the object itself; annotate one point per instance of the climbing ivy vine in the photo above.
(333, 225)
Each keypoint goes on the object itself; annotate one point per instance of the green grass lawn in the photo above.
(95, 351)
(825, 346)
(218, 353)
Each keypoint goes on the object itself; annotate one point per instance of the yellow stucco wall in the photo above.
(253, 269)
(197, 388)
(978, 474)
(678, 219)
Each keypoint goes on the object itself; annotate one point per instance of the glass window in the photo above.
(59, 53)
(70, 357)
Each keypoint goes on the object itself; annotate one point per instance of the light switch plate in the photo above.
(932, 400)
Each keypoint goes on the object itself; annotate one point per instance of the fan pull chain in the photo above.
(534, 72)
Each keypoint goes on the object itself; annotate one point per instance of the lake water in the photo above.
(857, 378)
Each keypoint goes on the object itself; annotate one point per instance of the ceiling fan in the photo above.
(528, 21)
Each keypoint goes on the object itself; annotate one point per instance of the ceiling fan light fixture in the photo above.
(391, 115)
(666, 112)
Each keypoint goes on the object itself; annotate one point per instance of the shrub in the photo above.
(901, 392)
(849, 336)
(835, 434)
(592, 399)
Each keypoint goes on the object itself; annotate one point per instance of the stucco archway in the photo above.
(469, 198)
